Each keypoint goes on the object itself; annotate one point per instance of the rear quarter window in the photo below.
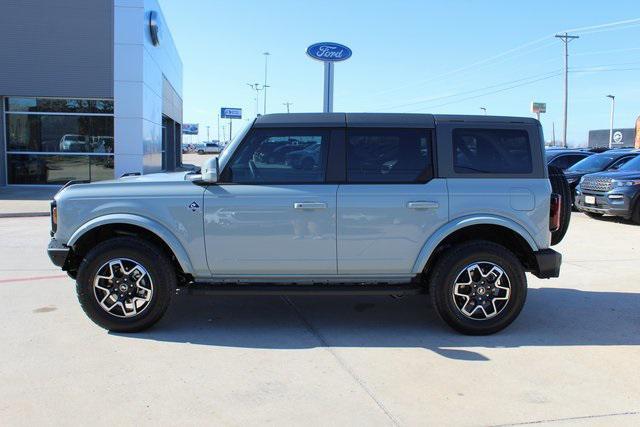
(491, 151)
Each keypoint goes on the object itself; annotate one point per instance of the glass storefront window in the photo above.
(49, 141)
(54, 133)
(56, 105)
(53, 169)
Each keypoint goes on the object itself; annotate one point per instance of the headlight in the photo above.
(625, 182)
(571, 180)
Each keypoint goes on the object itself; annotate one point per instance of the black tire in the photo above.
(200, 152)
(635, 215)
(560, 186)
(452, 262)
(594, 214)
(154, 260)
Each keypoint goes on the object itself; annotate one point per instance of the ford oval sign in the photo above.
(329, 52)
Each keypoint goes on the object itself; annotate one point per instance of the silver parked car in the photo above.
(459, 207)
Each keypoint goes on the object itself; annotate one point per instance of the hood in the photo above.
(128, 186)
(617, 175)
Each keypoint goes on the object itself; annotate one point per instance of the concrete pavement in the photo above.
(570, 358)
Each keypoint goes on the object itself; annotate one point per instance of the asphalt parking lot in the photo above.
(571, 357)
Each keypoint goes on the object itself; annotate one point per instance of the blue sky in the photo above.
(412, 56)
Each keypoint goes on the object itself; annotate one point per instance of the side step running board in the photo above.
(271, 289)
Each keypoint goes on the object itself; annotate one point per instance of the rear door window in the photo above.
(386, 155)
(491, 151)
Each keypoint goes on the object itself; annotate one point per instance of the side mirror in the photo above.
(209, 171)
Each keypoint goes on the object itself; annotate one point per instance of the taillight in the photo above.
(555, 212)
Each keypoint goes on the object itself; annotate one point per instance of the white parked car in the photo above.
(209, 148)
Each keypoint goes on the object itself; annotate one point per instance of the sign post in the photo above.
(230, 113)
(328, 53)
(538, 107)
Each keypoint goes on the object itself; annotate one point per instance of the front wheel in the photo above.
(125, 284)
(478, 288)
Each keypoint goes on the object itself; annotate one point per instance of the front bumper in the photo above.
(58, 253)
(615, 202)
(548, 263)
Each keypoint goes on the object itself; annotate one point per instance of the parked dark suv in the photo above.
(610, 160)
(612, 193)
(564, 158)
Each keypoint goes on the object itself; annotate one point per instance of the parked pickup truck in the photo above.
(459, 207)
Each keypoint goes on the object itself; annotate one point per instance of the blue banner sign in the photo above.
(230, 113)
(329, 52)
(190, 128)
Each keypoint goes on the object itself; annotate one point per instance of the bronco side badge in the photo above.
(193, 206)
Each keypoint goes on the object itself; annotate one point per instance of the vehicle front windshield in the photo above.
(594, 163)
(223, 158)
(631, 165)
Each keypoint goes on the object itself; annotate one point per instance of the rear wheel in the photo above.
(559, 185)
(125, 284)
(478, 288)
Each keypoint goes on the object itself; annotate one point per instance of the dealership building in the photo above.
(89, 90)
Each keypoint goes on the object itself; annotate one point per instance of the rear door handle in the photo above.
(423, 205)
(309, 205)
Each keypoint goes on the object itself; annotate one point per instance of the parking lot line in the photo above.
(32, 278)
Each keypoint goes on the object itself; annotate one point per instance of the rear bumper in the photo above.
(548, 263)
(58, 253)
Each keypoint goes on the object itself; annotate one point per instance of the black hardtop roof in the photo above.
(378, 119)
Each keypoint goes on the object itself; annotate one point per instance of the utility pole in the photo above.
(287, 104)
(484, 109)
(566, 39)
(257, 88)
(264, 86)
(613, 108)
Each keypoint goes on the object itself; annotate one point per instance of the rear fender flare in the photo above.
(459, 223)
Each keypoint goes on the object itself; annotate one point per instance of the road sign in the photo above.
(538, 107)
(190, 128)
(230, 113)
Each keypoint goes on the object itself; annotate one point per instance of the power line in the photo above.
(610, 26)
(635, 21)
(554, 72)
(491, 93)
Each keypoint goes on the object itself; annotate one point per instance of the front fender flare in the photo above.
(459, 223)
(148, 224)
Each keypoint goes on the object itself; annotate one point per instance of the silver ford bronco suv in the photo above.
(458, 207)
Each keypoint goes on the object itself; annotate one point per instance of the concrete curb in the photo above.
(23, 214)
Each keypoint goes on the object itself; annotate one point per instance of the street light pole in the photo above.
(257, 88)
(266, 57)
(613, 108)
(566, 39)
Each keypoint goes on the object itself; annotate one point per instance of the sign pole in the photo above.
(230, 129)
(328, 87)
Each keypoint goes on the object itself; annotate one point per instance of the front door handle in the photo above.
(423, 205)
(309, 205)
